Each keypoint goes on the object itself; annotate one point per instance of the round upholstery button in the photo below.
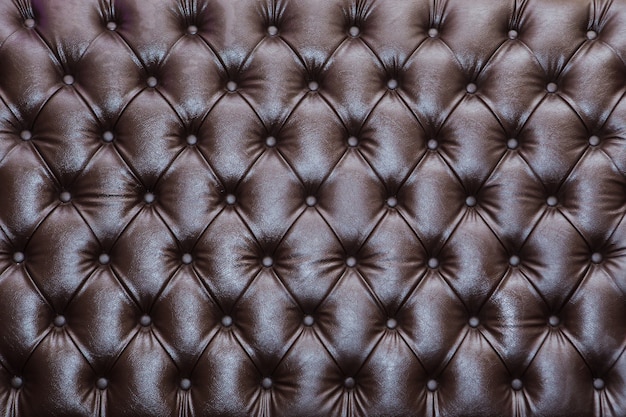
(433, 144)
(266, 383)
(272, 30)
(145, 320)
(227, 321)
(29, 23)
(470, 201)
(59, 321)
(65, 196)
(512, 143)
(231, 86)
(185, 384)
(270, 141)
(308, 320)
(26, 135)
(392, 202)
(104, 258)
(474, 322)
(433, 263)
(596, 257)
(514, 260)
(353, 141)
(192, 29)
(108, 136)
(18, 257)
(187, 258)
(551, 87)
(230, 199)
(149, 198)
(392, 84)
(191, 140)
(351, 261)
(512, 34)
(349, 382)
(598, 383)
(151, 81)
(592, 34)
(313, 85)
(516, 384)
(594, 140)
(392, 324)
(267, 261)
(102, 383)
(553, 321)
(471, 88)
(17, 382)
(433, 32)
(552, 201)
(111, 25)
(432, 385)
(311, 201)
(354, 31)
(68, 79)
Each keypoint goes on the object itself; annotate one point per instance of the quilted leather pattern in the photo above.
(312, 208)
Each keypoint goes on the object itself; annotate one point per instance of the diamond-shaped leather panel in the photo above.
(312, 208)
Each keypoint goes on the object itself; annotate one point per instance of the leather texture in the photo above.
(312, 208)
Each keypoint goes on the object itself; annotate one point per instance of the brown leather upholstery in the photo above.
(312, 208)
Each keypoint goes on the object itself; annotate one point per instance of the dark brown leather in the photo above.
(312, 208)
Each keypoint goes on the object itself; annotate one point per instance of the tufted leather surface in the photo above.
(312, 208)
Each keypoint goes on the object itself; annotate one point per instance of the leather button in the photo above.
(596, 257)
(351, 261)
(270, 141)
(313, 85)
(111, 25)
(474, 322)
(230, 199)
(187, 258)
(552, 201)
(17, 382)
(191, 140)
(354, 31)
(192, 29)
(514, 260)
(104, 259)
(231, 86)
(267, 261)
(59, 321)
(551, 87)
(29, 23)
(311, 201)
(18, 257)
(102, 383)
(108, 136)
(553, 321)
(26, 135)
(151, 81)
(433, 32)
(349, 382)
(516, 384)
(227, 321)
(68, 79)
(432, 385)
(353, 141)
(594, 140)
(266, 383)
(392, 324)
(433, 263)
(392, 202)
(392, 84)
(512, 143)
(470, 201)
(592, 34)
(145, 320)
(149, 198)
(185, 384)
(65, 196)
(598, 383)
(471, 88)
(272, 30)
(512, 34)
(433, 144)
(308, 320)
